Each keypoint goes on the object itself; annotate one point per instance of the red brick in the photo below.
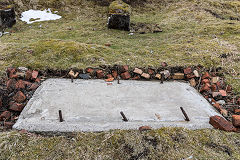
(125, 75)
(146, 76)
(109, 79)
(220, 123)
(138, 71)
(100, 74)
(205, 88)
(89, 70)
(8, 125)
(38, 80)
(20, 84)
(190, 76)
(136, 77)
(34, 86)
(204, 81)
(206, 75)
(28, 75)
(12, 73)
(5, 115)
(16, 107)
(114, 74)
(223, 93)
(11, 84)
(188, 70)
(178, 76)
(34, 74)
(214, 88)
(237, 111)
(236, 120)
(19, 97)
(124, 68)
(11, 70)
(144, 128)
(28, 84)
(151, 71)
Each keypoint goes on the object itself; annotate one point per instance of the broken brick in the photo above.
(34, 74)
(217, 106)
(28, 75)
(220, 123)
(34, 86)
(136, 77)
(124, 68)
(158, 76)
(224, 112)
(213, 87)
(193, 82)
(100, 74)
(229, 89)
(223, 93)
(236, 120)
(204, 81)
(125, 75)
(178, 76)
(89, 70)
(20, 84)
(144, 128)
(215, 94)
(114, 74)
(109, 76)
(109, 79)
(189, 76)
(206, 75)
(187, 70)
(146, 76)
(205, 88)
(138, 71)
(19, 97)
(237, 111)
(8, 125)
(11, 84)
(5, 115)
(16, 107)
(151, 71)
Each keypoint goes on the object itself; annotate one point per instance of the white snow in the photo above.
(38, 16)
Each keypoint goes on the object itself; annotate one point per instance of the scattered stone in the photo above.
(158, 76)
(16, 107)
(178, 76)
(100, 74)
(28, 75)
(237, 111)
(5, 115)
(187, 70)
(146, 76)
(214, 87)
(222, 102)
(206, 75)
(204, 81)
(205, 88)
(193, 82)
(215, 79)
(11, 84)
(236, 120)
(166, 73)
(125, 75)
(20, 74)
(220, 123)
(138, 71)
(215, 94)
(72, 74)
(89, 70)
(195, 72)
(224, 112)
(151, 71)
(84, 76)
(19, 97)
(217, 106)
(109, 76)
(136, 77)
(223, 93)
(20, 84)
(34, 74)
(144, 128)
(124, 68)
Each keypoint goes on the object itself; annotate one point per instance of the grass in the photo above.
(165, 143)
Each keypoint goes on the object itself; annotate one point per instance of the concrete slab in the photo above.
(94, 105)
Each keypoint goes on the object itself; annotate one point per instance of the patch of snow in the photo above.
(32, 16)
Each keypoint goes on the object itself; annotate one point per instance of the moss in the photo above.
(119, 7)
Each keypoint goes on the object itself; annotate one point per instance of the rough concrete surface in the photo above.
(95, 105)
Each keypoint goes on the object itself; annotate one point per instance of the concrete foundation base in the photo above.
(94, 105)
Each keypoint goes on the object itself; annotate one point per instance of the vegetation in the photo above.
(119, 7)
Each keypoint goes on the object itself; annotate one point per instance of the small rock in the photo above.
(138, 71)
(187, 70)
(144, 128)
(178, 76)
(72, 74)
(84, 76)
(20, 74)
(215, 94)
(20, 84)
(5, 115)
(22, 69)
(205, 88)
(220, 123)
(222, 102)
(193, 82)
(28, 75)
(136, 77)
(19, 97)
(125, 75)
(90, 70)
(166, 73)
(158, 76)
(204, 81)
(16, 107)
(151, 71)
(11, 84)
(236, 120)
(34, 74)
(146, 76)
(100, 74)
(215, 79)
(195, 72)
(124, 68)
